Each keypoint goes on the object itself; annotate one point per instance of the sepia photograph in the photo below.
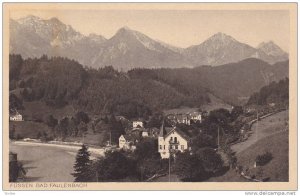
(150, 94)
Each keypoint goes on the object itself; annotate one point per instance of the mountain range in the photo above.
(33, 37)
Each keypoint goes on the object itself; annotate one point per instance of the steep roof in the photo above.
(181, 133)
(162, 131)
(131, 137)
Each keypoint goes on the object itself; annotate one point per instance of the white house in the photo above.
(145, 133)
(171, 140)
(16, 117)
(196, 116)
(122, 141)
(137, 124)
(183, 119)
(127, 142)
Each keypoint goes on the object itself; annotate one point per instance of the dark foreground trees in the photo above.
(82, 166)
(115, 166)
(197, 166)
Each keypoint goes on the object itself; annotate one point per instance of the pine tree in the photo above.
(82, 165)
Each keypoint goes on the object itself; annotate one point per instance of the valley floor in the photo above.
(54, 162)
(48, 162)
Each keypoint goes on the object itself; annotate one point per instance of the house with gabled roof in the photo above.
(184, 118)
(171, 139)
(128, 142)
(137, 123)
(16, 116)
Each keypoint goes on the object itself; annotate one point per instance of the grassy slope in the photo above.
(215, 103)
(40, 109)
(29, 129)
(266, 127)
(278, 168)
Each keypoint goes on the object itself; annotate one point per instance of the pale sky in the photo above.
(179, 28)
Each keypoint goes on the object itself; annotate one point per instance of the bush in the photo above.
(115, 166)
(189, 167)
(263, 159)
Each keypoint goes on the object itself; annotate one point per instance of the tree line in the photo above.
(59, 81)
(275, 92)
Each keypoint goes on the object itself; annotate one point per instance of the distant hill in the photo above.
(59, 81)
(233, 82)
(275, 92)
(127, 49)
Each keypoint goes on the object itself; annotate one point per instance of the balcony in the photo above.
(173, 142)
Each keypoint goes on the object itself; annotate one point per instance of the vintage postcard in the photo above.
(150, 96)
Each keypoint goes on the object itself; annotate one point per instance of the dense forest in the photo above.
(275, 92)
(60, 81)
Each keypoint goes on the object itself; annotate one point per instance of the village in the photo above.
(168, 137)
(177, 134)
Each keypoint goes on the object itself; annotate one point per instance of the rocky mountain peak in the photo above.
(270, 48)
(29, 19)
(221, 37)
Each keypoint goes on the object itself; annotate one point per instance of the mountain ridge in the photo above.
(127, 48)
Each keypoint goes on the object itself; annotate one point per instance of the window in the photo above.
(182, 147)
(176, 147)
(175, 139)
(160, 147)
(171, 138)
(164, 147)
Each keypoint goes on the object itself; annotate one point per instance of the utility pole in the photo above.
(97, 175)
(170, 155)
(256, 125)
(110, 138)
(170, 167)
(218, 137)
(82, 138)
(61, 136)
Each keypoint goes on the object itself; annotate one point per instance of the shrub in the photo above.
(263, 159)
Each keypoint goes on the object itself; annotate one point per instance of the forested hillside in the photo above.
(231, 82)
(59, 81)
(275, 92)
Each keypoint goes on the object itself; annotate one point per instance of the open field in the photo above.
(38, 109)
(28, 129)
(265, 127)
(272, 138)
(215, 103)
(278, 168)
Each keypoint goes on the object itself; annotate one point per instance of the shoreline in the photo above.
(93, 151)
